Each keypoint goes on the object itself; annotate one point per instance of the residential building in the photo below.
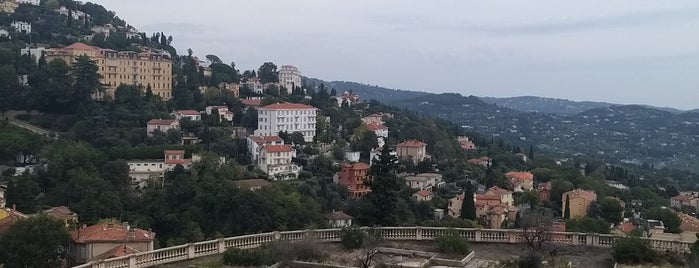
(252, 184)
(193, 115)
(352, 156)
(454, 206)
(617, 185)
(376, 154)
(255, 143)
(287, 117)
(522, 156)
(352, 176)
(34, 52)
(275, 160)
(381, 132)
(338, 219)
(687, 198)
(423, 195)
(76, 14)
(8, 6)
(484, 161)
(520, 181)
(580, 201)
(151, 68)
(4, 33)
(289, 77)
(92, 242)
(162, 125)
(495, 206)
(252, 102)
(3, 189)
(29, 2)
(143, 172)
(425, 181)
(544, 190)
(412, 149)
(231, 87)
(22, 27)
(223, 112)
(105, 30)
(8, 217)
(465, 143)
(254, 84)
(376, 118)
(63, 214)
(348, 97)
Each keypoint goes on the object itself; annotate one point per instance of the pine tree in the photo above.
(531, 151)
(566, 212)
(388, 207)
(468, 207)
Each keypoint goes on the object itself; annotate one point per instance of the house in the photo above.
(8, 6)
(484, 161)
(376, 118)
(252, 184)
(287, 117)
(352, 156)
(412, 149)
(99, 240)
(8, 217)
(105, 30)
(3, 189)
(352, 176)
(29, 2)
(223, 112)
(381, 132)
(522, 156)
(454, 206)
(4, 33)
(348, 97)
(544, 190)
(22, 27)
(466, 143)
(162, 125)
(494, 206)
(255, 143)
(275, 160)
(145, 171)
(687, 198)
(76, 14)
(63, 214)
(289, 77)
(338, 219)
(425, 181)
(230, 87)
(254, 84)
(617, 185)
(580, 201)
(625, 228)
(193, 115)
(423, 195)
(520, 181)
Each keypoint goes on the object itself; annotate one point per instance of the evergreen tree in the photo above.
(531, 151)
(87, 80)
(468, 207)
(566, 213)
(35, 242)
(333, 92)
(387, 205)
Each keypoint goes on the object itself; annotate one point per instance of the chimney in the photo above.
(125, 224)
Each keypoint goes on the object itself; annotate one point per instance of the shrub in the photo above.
(303, 250)
(530, 260)
(633, 250)
(452, 243)
(249, 257)
(352, 237)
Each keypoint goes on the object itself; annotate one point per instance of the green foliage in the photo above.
(587, 225)
(452, 243)
(610, 210)
(35, 242)
(669, 218)
(352, 237)
(249, 257)
(633, 250)
(468, 207)
(529, 260)
(268, 73)
(14, 141)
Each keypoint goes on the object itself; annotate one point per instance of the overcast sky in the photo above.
(622, 51)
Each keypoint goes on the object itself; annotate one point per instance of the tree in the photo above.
(587, 225)
(35, 242)
(9, 88)
(558, 187)
(268, 73)
(213, 58)
(669, 218)
(174, 136)
(297, 138)
(387, 207)
(633, 250)
(468, 207)
(87, 80)
(610, 210)
(536, 228)
(566, 210)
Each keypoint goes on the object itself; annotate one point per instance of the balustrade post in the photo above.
(418, 233)
(593, 240)
(575, 238)
(277, 235)
(221, 245)
(512, 237)
(190, 251)
(478, 234)
(132, 261)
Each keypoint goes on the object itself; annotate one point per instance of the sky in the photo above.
(620, 51)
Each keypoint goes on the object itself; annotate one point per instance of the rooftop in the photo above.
(278, 148)
(251, 102)
(265, 139)
(587, 195)
(376, 126)
(288, 106)
(61, 212)
(520, 175)
(161, 121)
(188, 112)
(357, 166)
(110, 232)
(118, 251)
(411, 143)
(424, 193)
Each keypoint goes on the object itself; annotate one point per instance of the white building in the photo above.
(255, 143)
(338, 219)
(34, 52)
(254, 84)
(193, 115)
(76, 14)
(287, 117)
(29, 2)
(223, 112)
(163, 125)
(275, 160)
(381, 132)
(22, 27)
(289, 77)
(143, 172)
(425, 181)
(105, 30)
(4, 33)
(352, 156)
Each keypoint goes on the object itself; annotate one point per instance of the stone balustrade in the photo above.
(218, 246)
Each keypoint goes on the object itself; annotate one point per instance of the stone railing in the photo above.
(218, 246)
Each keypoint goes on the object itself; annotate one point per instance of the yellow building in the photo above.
(122, 67)
(8, 6)
(579, 202)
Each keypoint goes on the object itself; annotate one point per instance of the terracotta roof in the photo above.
(480, 160)
(265, 139)
(118, 251)
(14, 216)
(424, 193)
(521, 176)
(683, 198)
(179, 152)
(248, 102)
(61, 213)
(81, 46)
(357, 166)
(252, 183)
(587, 195)
(373, 126)
(487, 197)
(161, 121)
(177, 161)
(337, 215)
(626, 227)
(411, 143)
(498, 191)
(188, 112)
(110, 232)
(288, 106)
(278, 148)
(689, 223)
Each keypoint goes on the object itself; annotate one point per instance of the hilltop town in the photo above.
(112, 144)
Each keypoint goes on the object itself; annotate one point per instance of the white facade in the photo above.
(4, 33)
(76, 14)
(255, 143)
(223, 112)
(191, 114)
(287, 117)
(22, 27)
(29, 2)
(275, 160)
(289, 77)
(352, 156)
(163, 125)
(425, 181)
(153, 170)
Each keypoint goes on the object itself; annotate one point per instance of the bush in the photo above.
(303, 250)
(352, 237)
(530, 260)
(587, 225)
(249, 257)
(633, 250)
(452, 243)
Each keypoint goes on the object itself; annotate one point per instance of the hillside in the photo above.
(368, 92)
(546, 105)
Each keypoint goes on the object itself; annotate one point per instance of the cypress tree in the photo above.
(566, 212)
(468, 207)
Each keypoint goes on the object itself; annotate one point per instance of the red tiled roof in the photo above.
(110, 232)
(487, 197)
(521, 176)
(375, 126)
(626, 227)
(177, 161)
(161, 122)
(357, 166)
(118, 251)
(265, 139)
(81, 46)
(411, 143)
(248, 102)
(288, 106)
(188, 112)
(337, 215)
(683, 198)
(498, 191)
(14, 216)
(689, 223)
(424, 193)
(61, 213)
(177, 152)
(480, 160)
(278, 148)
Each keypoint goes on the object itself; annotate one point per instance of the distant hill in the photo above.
(546, 105)
(368, 92)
